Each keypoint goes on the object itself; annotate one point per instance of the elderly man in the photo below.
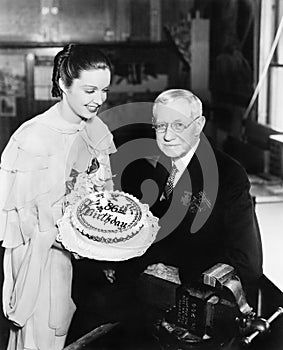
(205, 209)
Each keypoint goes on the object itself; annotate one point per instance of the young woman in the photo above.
(36, 165)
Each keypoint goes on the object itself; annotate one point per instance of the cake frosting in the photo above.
(107, 225)
(109, 217)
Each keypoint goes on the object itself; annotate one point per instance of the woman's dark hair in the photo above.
(74, 58)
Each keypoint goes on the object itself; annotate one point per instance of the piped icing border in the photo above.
(81, 246)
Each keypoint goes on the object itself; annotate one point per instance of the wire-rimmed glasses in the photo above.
(176, 126)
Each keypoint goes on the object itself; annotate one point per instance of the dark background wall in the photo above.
(136, 34)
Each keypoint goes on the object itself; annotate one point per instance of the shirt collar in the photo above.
(182, 163)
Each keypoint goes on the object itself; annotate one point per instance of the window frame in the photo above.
(269, 97)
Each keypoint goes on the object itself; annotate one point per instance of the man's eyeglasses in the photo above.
(176, 126)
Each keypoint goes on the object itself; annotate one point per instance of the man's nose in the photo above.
(169, 133)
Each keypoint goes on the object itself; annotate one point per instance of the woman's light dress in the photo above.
(35, 166)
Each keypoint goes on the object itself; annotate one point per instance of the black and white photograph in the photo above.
(141, 175)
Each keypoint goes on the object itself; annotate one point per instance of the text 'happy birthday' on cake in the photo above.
(108, 225)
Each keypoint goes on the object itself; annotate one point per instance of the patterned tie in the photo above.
(170, 181)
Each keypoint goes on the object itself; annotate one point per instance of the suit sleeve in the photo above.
(132, 178)
(243, 241)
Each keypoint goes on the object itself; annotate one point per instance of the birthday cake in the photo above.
(107, 225)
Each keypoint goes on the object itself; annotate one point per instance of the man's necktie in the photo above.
(170, 181)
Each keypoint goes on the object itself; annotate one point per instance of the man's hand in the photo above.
(169, 273)
(110, 275)
(156, 268)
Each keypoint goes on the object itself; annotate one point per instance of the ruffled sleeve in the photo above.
(27, 225)
(101, 144)
(24, 189)
(99, 136)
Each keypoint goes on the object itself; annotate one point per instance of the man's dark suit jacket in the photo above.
(226, 229)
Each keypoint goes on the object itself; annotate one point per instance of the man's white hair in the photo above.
(168, 96)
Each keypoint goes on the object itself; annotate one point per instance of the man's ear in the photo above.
(200, 124)
(62, 86)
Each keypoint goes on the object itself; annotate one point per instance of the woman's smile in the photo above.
(93, 108)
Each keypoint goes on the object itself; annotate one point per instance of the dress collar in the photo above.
(54, 120)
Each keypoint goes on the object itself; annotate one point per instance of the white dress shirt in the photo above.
(182, 163)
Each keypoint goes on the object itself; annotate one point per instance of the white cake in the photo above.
(107, 225)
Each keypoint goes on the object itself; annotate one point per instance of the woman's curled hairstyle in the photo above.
(71, 60)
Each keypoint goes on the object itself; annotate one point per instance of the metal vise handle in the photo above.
(277, 313)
